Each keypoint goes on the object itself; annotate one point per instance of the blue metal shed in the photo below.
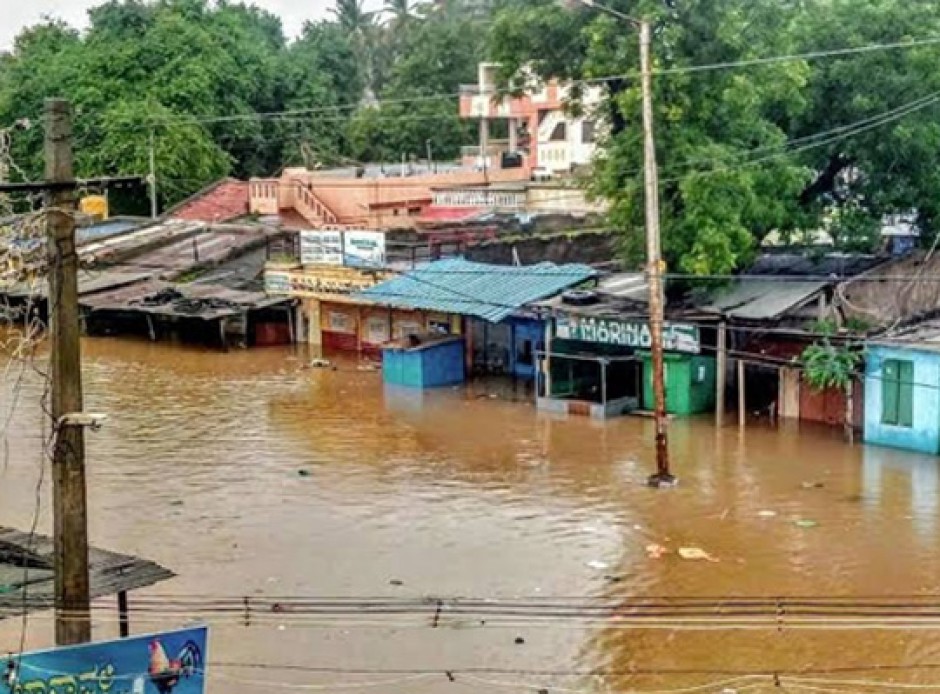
(433, 363)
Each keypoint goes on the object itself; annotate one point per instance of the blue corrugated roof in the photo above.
(490, 292)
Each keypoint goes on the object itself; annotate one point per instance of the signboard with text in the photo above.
(276, 283)
(636, 334)
(314, 282)
(171, 662)
(321, 248)
(364, 249)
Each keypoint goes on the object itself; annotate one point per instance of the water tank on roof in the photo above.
(579, 297)
(94, 206)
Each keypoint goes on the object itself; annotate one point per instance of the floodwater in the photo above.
(458, 493)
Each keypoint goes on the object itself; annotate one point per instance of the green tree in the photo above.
(322, 82)
(436, 55)
(187, 158)
(716, 200)
(400, 11)
(893, 165)
(211, 66)
(352, 17)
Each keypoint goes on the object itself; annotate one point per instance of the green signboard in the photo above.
(624, 333)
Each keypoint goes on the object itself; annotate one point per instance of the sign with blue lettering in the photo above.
(608, 331)
(167, 663)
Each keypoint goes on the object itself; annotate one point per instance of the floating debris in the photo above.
(696, 554)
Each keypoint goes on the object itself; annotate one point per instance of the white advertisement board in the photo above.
(321, 248)
(365, 249)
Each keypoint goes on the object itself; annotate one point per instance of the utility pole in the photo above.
(663, 477)
(152, 178)
(72, 600)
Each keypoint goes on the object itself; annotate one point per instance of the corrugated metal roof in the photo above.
(204, 301)
(109, 573)
(490, 292)
(762, 299)
(625, 285)
(922, 336)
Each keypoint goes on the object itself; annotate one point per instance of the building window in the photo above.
(377, 330)
(897, 393)
(587, 132)
(560, 133)
(407, 328)
(339, 322)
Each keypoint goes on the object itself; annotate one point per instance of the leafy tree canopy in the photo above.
(728, 175)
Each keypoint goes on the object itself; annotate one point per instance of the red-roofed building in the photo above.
(220, 202)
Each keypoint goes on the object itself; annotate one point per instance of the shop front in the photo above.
(595, 366)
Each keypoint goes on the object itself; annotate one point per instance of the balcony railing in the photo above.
(495, 147)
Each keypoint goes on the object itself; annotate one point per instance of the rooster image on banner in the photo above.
(166, 673)
(170, 662)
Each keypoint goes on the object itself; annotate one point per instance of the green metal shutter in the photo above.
(906, 394)
(890, 391)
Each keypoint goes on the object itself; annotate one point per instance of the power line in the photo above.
(792, 57)
(812, 55)
(739, 160)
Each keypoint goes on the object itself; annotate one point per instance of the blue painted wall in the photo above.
(525, 329)
(429, 366)
(924, 435)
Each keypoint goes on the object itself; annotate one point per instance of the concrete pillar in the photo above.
(513, 134)
(721, 375)
(484, 140)
(315, 332)
(547, 362)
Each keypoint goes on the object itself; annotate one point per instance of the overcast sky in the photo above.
(15, 14)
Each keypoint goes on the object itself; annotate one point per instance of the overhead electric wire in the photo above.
(735, 160)
(811, 55)
(741, 682)
(770, 60)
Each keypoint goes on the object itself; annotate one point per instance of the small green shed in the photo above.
(690, 383)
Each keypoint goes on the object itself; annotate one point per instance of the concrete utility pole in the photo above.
(663, 477)
(72, 601)
(152, 177)
(654, 263)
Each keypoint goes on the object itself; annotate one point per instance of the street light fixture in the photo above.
(654, 262)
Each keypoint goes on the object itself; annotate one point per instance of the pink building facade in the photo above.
(542, 136)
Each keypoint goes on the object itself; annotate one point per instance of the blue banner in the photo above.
(172, 662)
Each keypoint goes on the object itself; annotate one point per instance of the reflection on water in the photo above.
(913, 476)
(459, 493)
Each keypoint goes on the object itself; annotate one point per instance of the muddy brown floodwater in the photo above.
(456, 493)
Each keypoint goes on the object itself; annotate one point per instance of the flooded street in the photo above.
(455, 493)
